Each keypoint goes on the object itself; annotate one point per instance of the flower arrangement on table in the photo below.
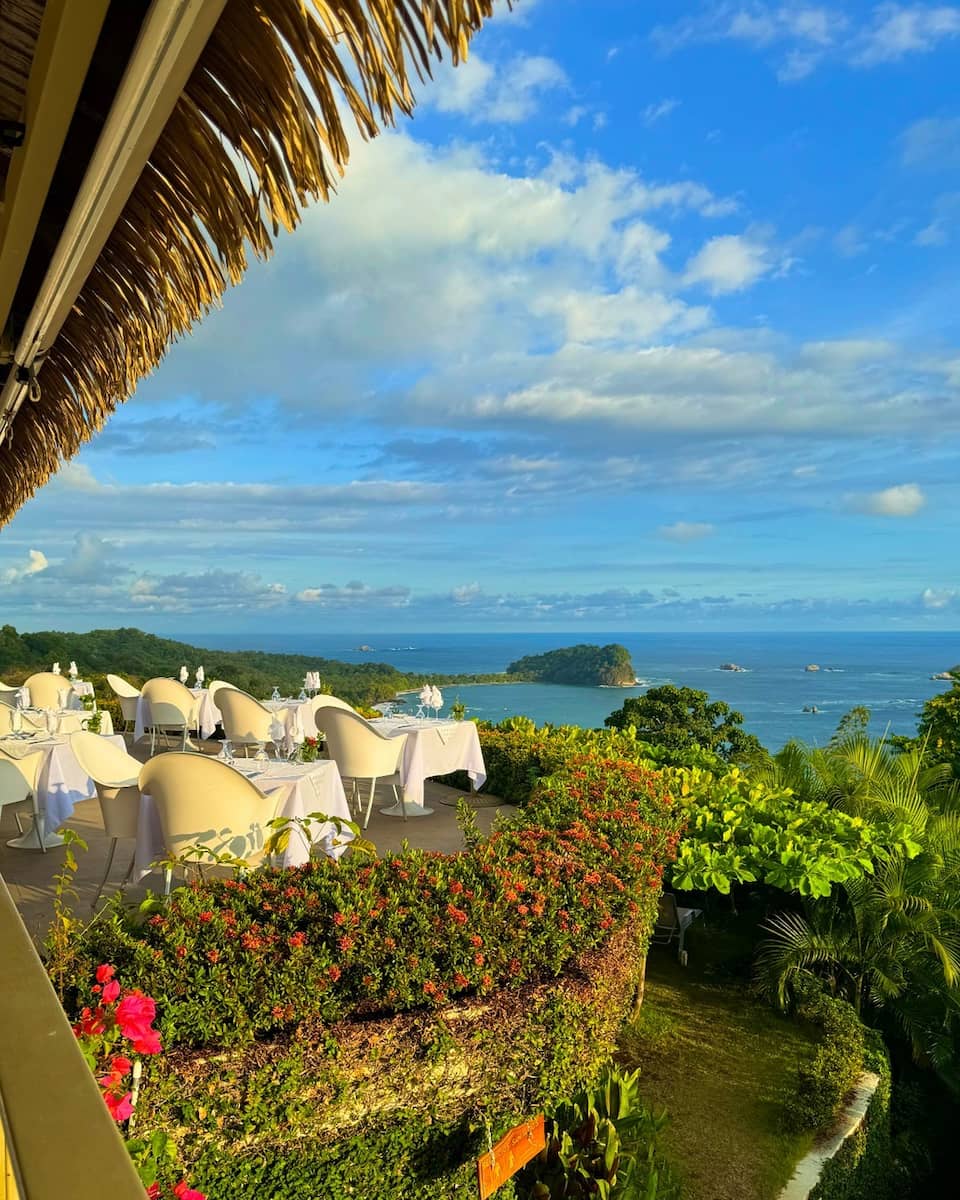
(116, 1025)
(309, 750)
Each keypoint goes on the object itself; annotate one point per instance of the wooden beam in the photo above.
(65, 45)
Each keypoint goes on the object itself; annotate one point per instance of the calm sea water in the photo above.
(889, 673)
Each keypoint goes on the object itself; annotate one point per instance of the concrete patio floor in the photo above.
(29, 873)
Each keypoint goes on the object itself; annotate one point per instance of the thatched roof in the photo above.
(257, 133)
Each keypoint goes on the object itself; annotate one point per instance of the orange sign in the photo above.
(513, 1151)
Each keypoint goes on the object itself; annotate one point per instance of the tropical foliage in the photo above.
(677, 719)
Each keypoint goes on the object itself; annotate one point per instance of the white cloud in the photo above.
(803, 36)
(849, 241)
(902, 29)
(686, 531)
(507, 93)
(36, 562)
(938, 597)
(354, 594)
(466, 593)
(903, 500)
(931, 142)
(728, 264)
(657, 111)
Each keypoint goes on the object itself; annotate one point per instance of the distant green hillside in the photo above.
(139, 656)
(584, 666)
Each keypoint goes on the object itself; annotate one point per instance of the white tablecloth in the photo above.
(205, 719)
(78, 689)
(299, 789)
(61, 782)
(434, 748)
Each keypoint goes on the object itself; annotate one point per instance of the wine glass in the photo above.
(228, 751)
(16, 722)
(261, 754)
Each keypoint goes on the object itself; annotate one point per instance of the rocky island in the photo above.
(582, 666)
(731, 667)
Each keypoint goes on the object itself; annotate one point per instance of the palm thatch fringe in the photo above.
(246, 148)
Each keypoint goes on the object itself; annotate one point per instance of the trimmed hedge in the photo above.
(232, 960)
(865, 1166)
(825, 1081)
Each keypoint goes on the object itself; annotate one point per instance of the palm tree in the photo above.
(888, 942)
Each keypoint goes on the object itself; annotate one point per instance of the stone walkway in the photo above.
(29, 873)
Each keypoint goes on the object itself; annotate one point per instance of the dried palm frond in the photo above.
(247, 146)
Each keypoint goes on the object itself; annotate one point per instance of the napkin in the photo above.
(184, 674)
(200, 676)
(436, 698)
(426, 694)
(56, 668)
(277, 731)
(73, 670)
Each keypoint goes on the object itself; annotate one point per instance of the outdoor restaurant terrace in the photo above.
(147, 149)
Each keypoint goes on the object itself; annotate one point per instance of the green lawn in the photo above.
(722, 1066)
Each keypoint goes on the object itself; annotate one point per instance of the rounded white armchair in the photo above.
(246, 722)
(205, 805)
(48, 690)
(363, 753)
(128, 695)
(171, 708)
(115, 774)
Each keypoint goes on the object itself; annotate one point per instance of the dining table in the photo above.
(297, 718)
(61, 783)
(298, 789)
(433, 747)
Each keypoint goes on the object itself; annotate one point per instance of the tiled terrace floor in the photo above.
(29, 874)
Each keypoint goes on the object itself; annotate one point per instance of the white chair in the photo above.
(171, 708)
(203, 802)
(215, 685)
(115, 774)
(128, 696)
(362, 752)
(18, 784)
(245, 720)
(321, 702)
(673, 923)
(48, 690)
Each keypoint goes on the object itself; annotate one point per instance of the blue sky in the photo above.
(648, 320)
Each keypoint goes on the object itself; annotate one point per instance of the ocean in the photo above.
(887, 672)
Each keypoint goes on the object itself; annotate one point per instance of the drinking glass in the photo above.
(16, 721)
(228, 750)
(261, 754)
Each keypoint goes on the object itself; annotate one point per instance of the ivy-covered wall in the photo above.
(395, 1108)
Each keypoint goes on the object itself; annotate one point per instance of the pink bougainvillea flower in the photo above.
(135, 1014)
(105, 973)
(183, 1192)
(147, 1042)
(120, 1107)
(111, 991)
(121, 1065)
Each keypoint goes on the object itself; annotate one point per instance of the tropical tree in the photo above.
(888, 940)
(681, 718)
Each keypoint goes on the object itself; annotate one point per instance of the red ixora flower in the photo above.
(297, 939)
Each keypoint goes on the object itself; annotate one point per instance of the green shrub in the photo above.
(825, 1081)
(232, 960)
(866, 1165)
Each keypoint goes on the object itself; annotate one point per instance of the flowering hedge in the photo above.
(233, 960)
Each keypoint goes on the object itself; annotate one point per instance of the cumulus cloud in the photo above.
(466, 593)
(938, 598)
(36, 562)
(686, 531)
(903, 500)
(354, 595)
(508, 93)
(728, 264)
